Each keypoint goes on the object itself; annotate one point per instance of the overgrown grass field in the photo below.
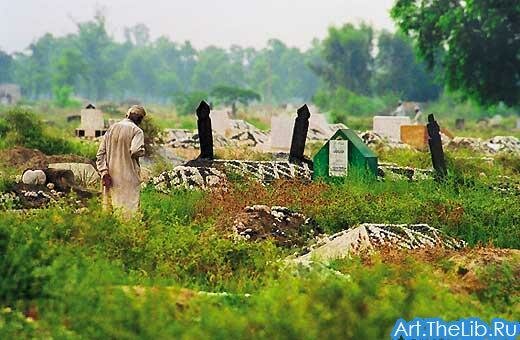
(178, 272)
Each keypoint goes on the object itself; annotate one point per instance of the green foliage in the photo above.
(187, 103)
(397, 70)
(21, 127)
(6, 66)
(140, 278)
(342, 103)
(62, 97)
(98, 67)
(475, 42)
(24, 256)
(463, 207)
(152, 134)
(456, 106)
(348, 60)
(230, 95)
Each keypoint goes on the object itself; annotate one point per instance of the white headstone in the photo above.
(34, 177)
(518, 123)
(220, 122)
(92, 121)
(318, 121)
(390, 127)
(281, 132)
(338, 158)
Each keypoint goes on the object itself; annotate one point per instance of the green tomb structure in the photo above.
(344, 153)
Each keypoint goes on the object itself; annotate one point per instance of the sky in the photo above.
(203, 22)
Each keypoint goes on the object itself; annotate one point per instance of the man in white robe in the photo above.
(117, 161)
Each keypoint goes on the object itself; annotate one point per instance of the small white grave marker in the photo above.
(220, 122)
(281, 132)
(390, 127)
(338, 158)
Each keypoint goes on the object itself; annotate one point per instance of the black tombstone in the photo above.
(205, 132)
(299, 137)
(435, 143)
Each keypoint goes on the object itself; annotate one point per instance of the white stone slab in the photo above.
(338, 158)
(220, 122)
(390, 127)
(281, 132)
(84, 174)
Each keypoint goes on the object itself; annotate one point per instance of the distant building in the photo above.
(92, 123)
(10, 94)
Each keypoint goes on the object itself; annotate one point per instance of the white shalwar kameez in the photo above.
(118, 155)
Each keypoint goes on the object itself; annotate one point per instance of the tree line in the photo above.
(91, 64)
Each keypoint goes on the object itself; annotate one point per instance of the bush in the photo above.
(342, 103)
(62, 97)
(187, 103)
(21, 127)
(152, 134)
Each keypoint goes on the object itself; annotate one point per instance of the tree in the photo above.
(6, 62)
(230, 95)
(348, 61)
(398, 71)
(476, 42)
(186, 103)
(138, 35)
(93, 43)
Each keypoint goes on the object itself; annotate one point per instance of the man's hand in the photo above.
(107, 181)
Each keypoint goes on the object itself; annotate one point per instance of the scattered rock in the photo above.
(368, 237)
(508, 144)
(373, 139)
(393, 172)
(280, 224)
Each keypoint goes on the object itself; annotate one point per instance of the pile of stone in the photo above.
(186, 139)
(243, 133)
(189, 177)
(394, 172)
(240, 134)
(497, 144)
(369, 237)
(373, 139)
(506, 185)
(281, 225)
(503, 144)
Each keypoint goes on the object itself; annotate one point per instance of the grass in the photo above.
(68, 272)
(87, 274)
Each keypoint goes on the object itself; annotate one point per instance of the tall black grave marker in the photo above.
(205, 132)
(299, 137)
(435, 142)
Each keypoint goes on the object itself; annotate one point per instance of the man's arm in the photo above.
(101, 157)
(137, 145)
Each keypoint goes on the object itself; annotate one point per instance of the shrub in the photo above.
(21, 127)
(342, 103)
